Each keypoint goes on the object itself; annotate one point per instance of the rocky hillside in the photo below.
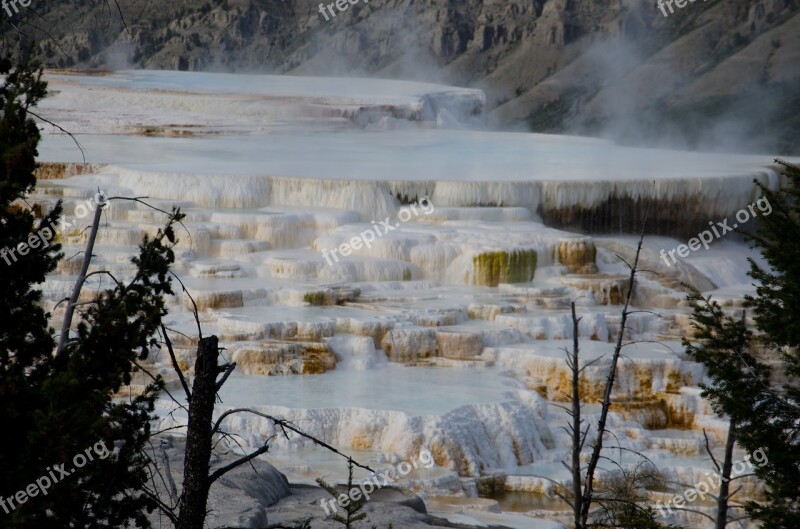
(713, 73)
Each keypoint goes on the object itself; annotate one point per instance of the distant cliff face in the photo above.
(614, 66)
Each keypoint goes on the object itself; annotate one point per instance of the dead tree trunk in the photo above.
(594, 459)
(63, 340)
(577, 441)
(725, 477)
(197, 478)
(196, 482)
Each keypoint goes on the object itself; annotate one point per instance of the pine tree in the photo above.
(777, 297)
(54, 407)
(353, 509)
(773, 422)
(755, 383)
(723, 345)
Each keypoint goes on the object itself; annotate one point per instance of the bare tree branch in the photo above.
(588, 486)
(161, 505)
(710, 453)
(68, 133)
(194, 305)
(577, 445)
(228, 370)
(285, 425)
(76, 291)
(246, 459)
(175, 365)
(156, 379)
(694, 511)
(172, 490)
(557, 484)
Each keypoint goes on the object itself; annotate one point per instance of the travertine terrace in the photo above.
(448, 332)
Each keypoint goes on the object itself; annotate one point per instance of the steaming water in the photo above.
(418, 155)
(271, 170)
(356, 89)
(412, 390)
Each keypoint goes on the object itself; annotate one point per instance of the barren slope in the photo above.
(617, 67)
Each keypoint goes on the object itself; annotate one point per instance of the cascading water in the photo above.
(447, 331)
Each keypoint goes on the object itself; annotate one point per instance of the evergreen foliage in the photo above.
(55, 407)
(754, 375)
(773, 422)
(353, 508)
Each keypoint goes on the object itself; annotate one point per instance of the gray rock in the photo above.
(543, 64)
(240, 498)
(386, 506)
